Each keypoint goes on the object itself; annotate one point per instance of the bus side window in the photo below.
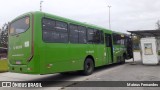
(101, 37)
(82, 34)
(117, 39)
(48, 29)
(54, 31)
(73, 36)
(96, 36)
(108, 40)
(62, 30)
(90, 33)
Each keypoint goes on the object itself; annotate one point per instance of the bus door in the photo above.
(109, 48)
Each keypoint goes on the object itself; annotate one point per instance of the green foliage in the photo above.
(158, 25)
(4, 36)
(136, 42)
(158, 52)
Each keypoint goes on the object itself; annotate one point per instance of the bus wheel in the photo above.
(88, 66)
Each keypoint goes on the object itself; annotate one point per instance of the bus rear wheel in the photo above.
(88, 66)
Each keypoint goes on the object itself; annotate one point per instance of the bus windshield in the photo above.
(19, 26)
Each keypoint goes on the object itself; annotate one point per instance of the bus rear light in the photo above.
(29, 69)
(49, 65)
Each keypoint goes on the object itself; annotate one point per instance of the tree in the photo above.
(4, 36)
(158, 25)
(4, 40)
(136, 41)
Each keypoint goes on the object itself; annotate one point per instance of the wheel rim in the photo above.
(89, 67)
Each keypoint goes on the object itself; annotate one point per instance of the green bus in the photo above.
(41, 43)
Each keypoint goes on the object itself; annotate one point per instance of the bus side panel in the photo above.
(119, 50)
(77, 56)
(55, 58)
(100, 55)
(37, 42)
(59, 57)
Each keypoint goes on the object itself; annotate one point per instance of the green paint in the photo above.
(55, 57)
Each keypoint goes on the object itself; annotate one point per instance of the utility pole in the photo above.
(41, 5)
(109, 17)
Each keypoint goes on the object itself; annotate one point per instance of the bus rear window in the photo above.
(19, 26)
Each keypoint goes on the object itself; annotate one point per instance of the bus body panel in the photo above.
(119, 48)
(33, 62)
(58, 57)
(20, 45)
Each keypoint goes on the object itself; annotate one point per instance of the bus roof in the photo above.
(74, 21)
(64, 19)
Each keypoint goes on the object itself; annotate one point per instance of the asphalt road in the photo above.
(126, 72)
(123, 72)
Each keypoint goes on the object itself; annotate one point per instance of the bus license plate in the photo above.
(18, 62)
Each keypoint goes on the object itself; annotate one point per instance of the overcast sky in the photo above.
(125, 14)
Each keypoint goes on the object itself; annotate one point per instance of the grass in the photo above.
(3, 66)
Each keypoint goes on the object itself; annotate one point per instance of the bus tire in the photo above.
(88, 66)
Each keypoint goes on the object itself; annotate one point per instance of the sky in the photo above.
(126, 15)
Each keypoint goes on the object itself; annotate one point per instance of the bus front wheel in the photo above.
(88, 66)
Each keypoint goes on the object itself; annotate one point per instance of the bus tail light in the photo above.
(29, 69)
(49, 65)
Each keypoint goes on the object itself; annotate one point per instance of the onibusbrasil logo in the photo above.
(21, 84)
